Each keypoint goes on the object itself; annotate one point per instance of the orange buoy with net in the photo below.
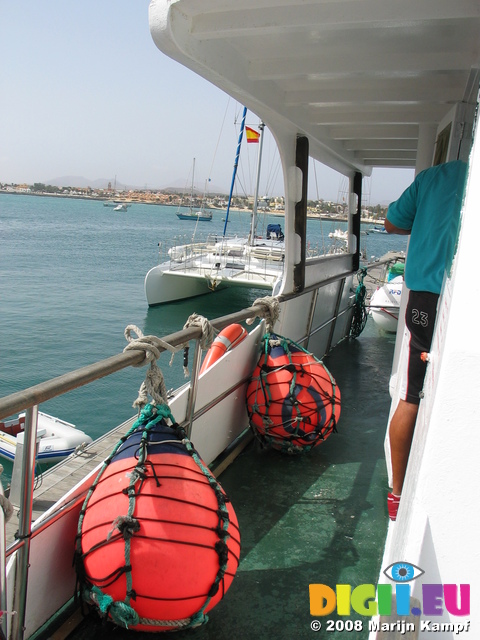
(158, 542)
(293, 401)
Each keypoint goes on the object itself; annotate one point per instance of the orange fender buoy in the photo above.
(158, 543)
(225, 341)
(293, 402)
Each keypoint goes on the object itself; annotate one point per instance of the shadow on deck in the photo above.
(317, 518)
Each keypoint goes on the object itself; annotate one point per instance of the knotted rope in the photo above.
(5, 504)
(154, 383)
(359, 318)
(7, 507)
(206, 339)
(270, 311)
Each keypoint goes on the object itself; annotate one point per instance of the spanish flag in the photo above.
(252, 135)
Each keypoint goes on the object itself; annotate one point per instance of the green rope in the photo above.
(360, 315)
(287, 444)
(121, 612)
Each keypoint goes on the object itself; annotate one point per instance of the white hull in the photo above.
(386, 318)
(56, 439)
(200, 268)
(385, 305)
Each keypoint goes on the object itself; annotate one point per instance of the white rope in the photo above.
(150, 344)
(154, 383)
(206, 339)
(208, 332)
(270, 311)
(7, 507)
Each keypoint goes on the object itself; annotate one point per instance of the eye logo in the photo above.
(403, 572)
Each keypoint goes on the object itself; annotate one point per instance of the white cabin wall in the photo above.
(437, 524)
(292, 179)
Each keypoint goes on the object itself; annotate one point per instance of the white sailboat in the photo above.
(221, 261)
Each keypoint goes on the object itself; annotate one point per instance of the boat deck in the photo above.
(54, 483)
(317, 518)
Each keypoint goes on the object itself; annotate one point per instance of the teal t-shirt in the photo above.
(430, 207)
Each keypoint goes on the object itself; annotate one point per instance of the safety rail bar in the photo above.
(21, 400)
(29, 399)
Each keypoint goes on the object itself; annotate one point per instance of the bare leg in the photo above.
(402, 426)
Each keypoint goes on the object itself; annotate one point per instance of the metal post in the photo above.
(192, 394)
(3, 573)
(356, 225)
(311, 315)
(25, 522)
(253, 228)
(235, 167)
(341, 287)
(300, 222)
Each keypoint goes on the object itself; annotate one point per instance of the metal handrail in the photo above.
(27, 398)
(44, 391)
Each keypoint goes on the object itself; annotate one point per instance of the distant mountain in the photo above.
(102, 183)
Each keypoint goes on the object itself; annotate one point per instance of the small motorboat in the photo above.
(56, 439)
(202, 216)
(385, 304)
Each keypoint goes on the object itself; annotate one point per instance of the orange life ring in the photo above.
(225, 341)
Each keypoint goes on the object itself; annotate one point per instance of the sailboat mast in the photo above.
(193, 178)
(253, 228)
(235, 167)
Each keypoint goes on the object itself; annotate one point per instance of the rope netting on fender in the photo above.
(293, 401)
(158, 542)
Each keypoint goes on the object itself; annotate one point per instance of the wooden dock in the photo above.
(54, 483)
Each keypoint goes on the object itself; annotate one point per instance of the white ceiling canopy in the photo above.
(358, 77)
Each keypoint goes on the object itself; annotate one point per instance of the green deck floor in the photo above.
(317, 518)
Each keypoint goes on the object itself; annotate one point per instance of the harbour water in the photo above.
(71, 280)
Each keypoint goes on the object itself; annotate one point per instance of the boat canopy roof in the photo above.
(359, 78)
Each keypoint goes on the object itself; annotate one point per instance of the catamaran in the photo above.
(221, 260)
(355, 85)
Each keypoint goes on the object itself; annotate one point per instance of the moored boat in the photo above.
(201, 216)
(57, 438)
(384, 305)
(222, 261)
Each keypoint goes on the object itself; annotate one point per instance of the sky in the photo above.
(85, 92)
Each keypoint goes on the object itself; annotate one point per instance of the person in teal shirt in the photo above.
(429, 211)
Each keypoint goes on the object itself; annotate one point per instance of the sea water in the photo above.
(71, 280)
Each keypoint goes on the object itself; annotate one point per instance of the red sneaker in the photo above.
(392, 503)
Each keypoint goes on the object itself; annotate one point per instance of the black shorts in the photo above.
(420, 322)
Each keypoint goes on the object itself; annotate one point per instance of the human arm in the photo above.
(391, 228)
